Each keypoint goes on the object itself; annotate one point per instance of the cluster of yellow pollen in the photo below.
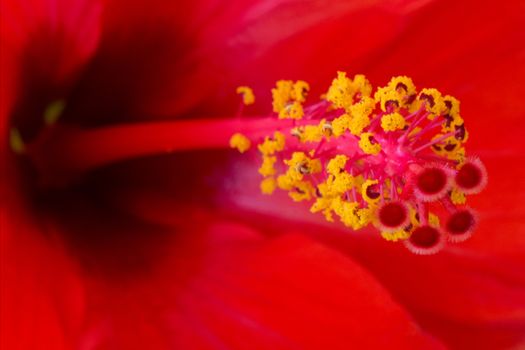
(240, 142)
(288, 98)
(351, 152)
(392, 122)
(248, 97)
(344, 91)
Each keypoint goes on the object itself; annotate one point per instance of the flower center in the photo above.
(365, 158)
(354, 155)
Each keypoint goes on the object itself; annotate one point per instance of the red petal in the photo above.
(42, 302)
(415, 54)
(455, 289)
(285, 293)
(51, 39)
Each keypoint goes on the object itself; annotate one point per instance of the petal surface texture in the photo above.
(181, 251)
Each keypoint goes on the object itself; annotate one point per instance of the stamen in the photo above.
(240, 142)
(248, 97)
(385, 158)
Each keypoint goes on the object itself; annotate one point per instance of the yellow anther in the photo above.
(337, 164)
(365, 143)
(459, 126)
(433, 220)
(358, 123)
(457, 121)
(342, 182)
(403, 85)
(325, 188)
(353, 216)
(340, 125)
(366, 192)
(380, 92)
(456, 125)
(280, 140)
(287, 98)
(267, 147)
(452, 105)
(240, 142)
(450, 148)
(281, 95)
(268, 185)
(312, 133)
(302, 191)
(335, 186)
(326, 128)
(340, 92)
(363, 107)
(300, 90)
(433, 102)
(323, 204)
(298, 158)
(347, 212)
(359, 115)
(248, 97)
(413, 217)
(445, 147)
(396, 235)
(458, 197)
(337, 205)
(393, 122)
(388, 98)
(267, 166)
(315, 166)
(297, 132)
(458, 154)
(362, 85)
(285, 182)
(272, 145)
(359, 179)
(300, 164)
(366, 215)
(292, 110)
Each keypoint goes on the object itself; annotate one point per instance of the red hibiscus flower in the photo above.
(176, 249)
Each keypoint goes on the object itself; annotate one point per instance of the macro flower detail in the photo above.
(128, 222)
(394, 158)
